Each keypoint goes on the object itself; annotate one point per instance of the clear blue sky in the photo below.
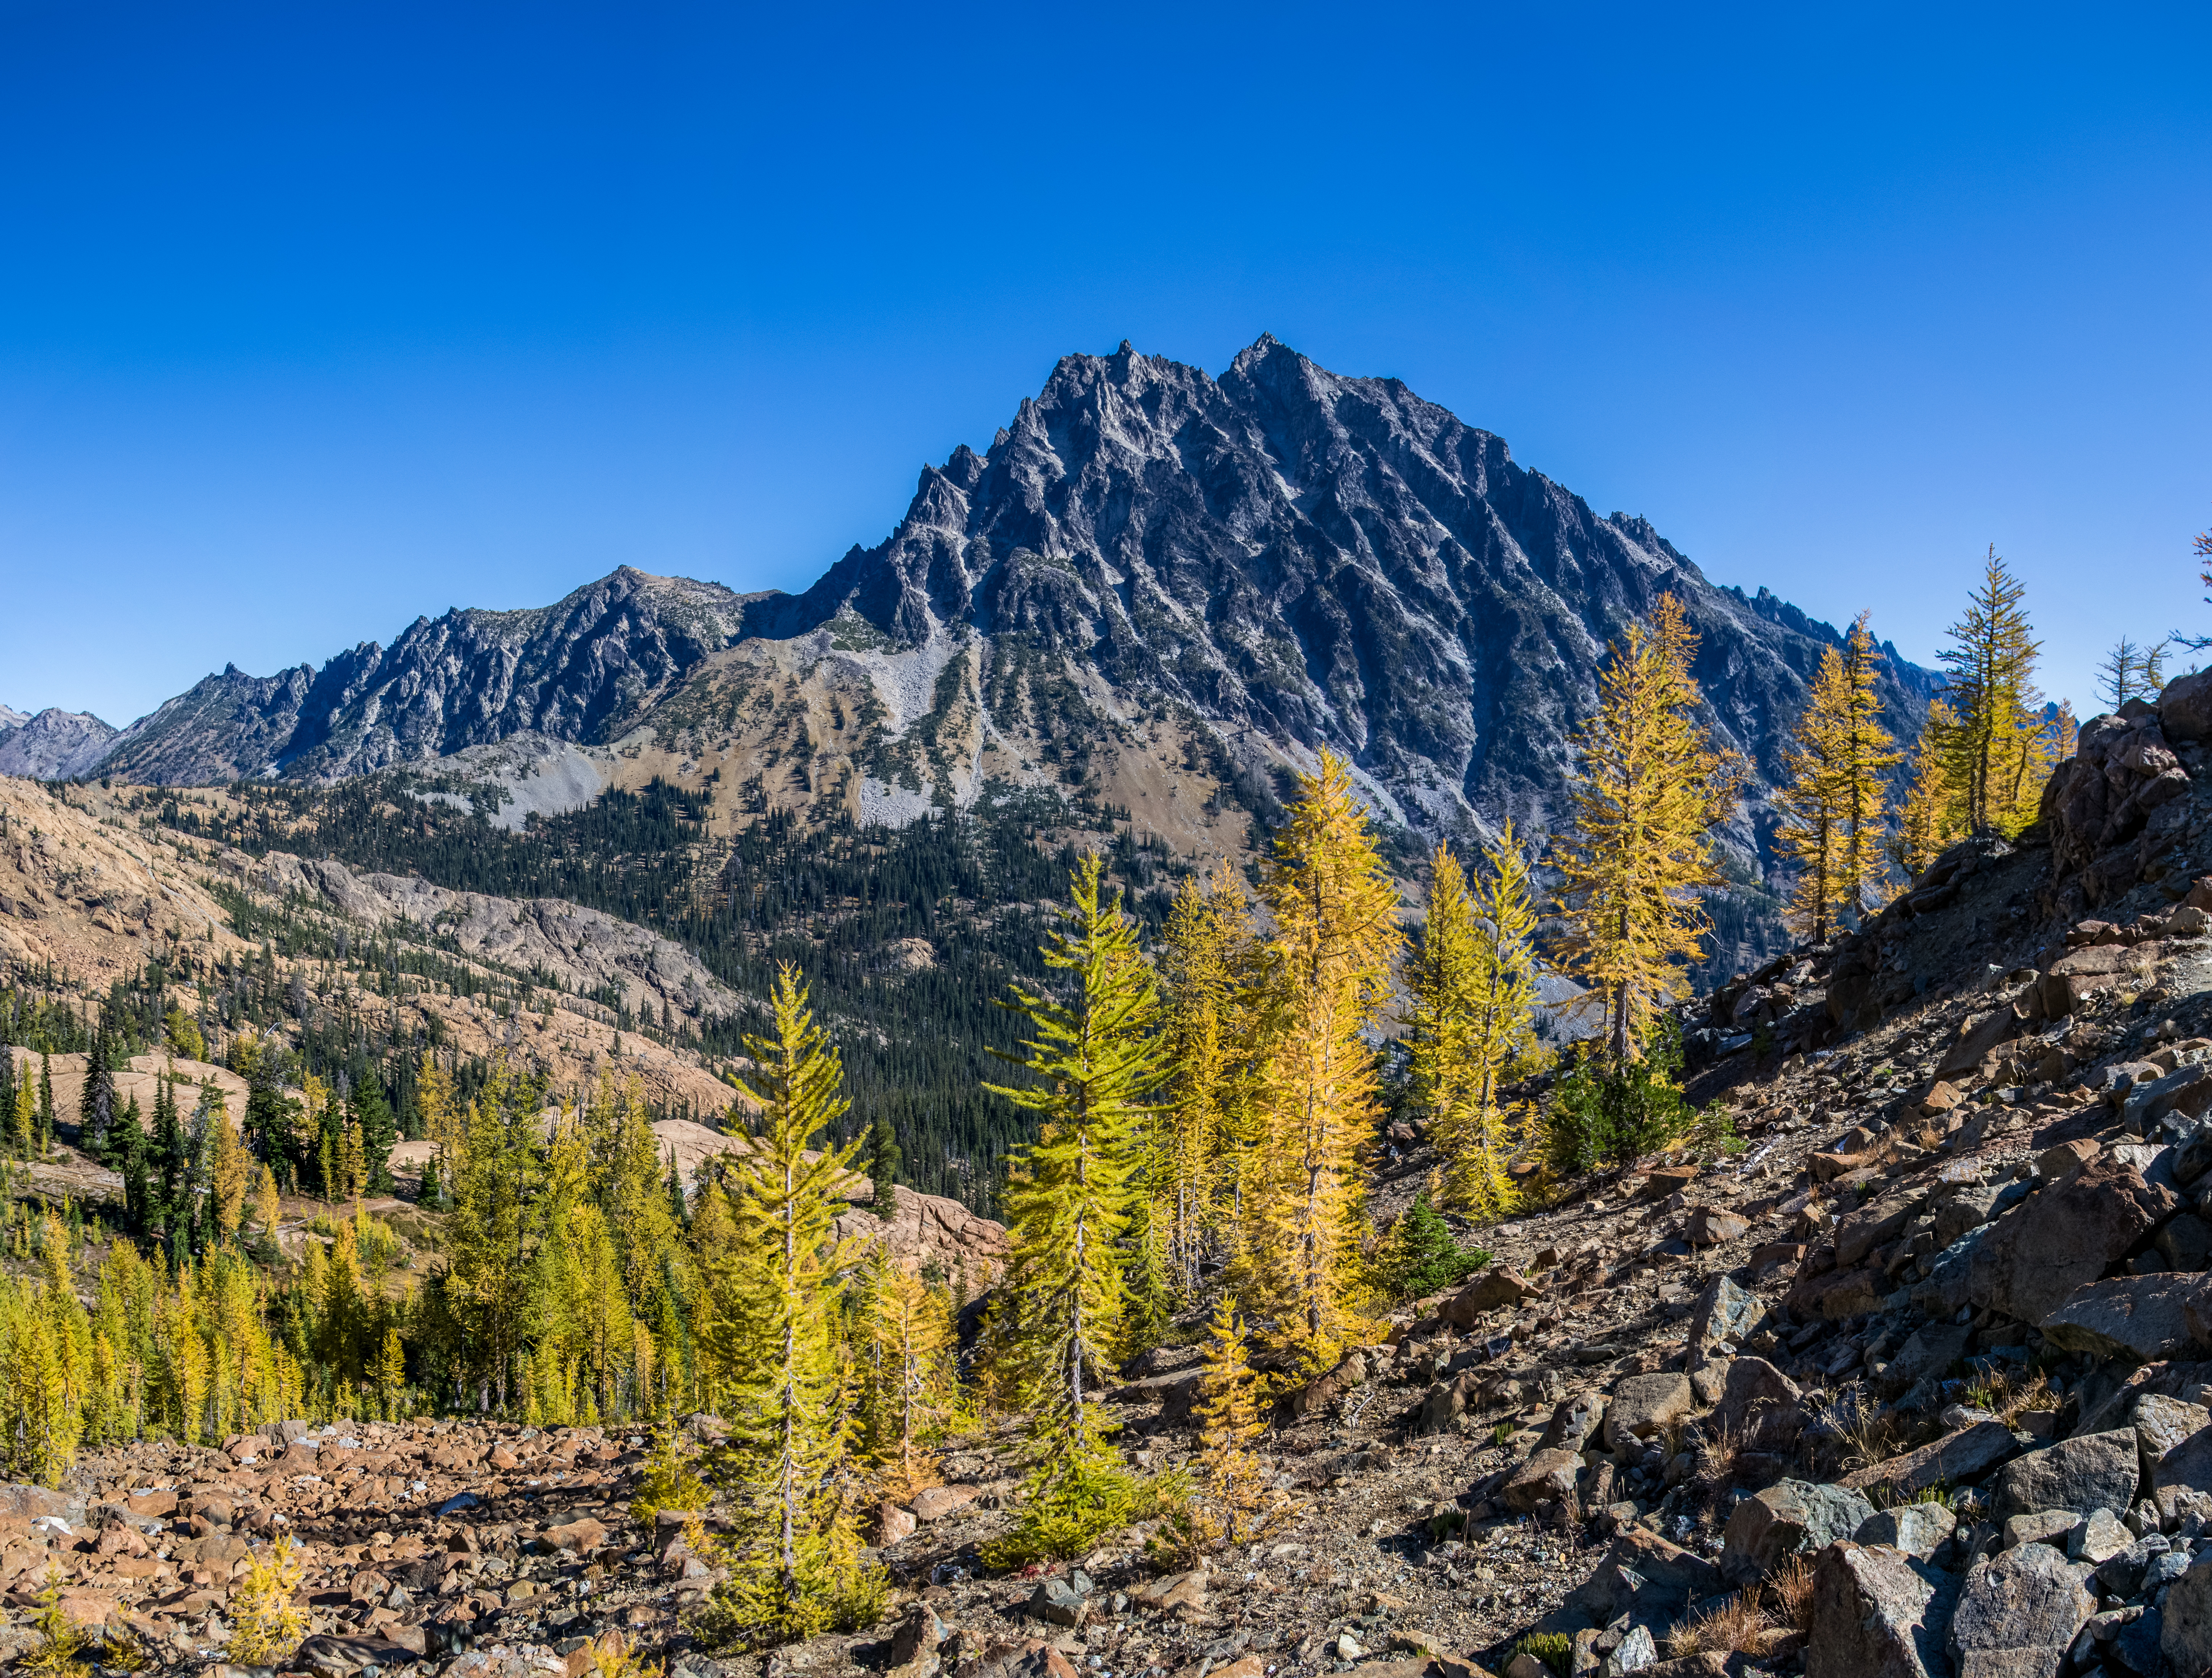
(314, 318)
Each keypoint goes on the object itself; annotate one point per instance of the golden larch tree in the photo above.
(1635, 863)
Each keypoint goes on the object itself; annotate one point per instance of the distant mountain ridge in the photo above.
(1293, 558)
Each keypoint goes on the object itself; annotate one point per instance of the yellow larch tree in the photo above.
(1997, 746)
(1327, 975)
(1199, 1145)
(1929, 818)
(1638, 856)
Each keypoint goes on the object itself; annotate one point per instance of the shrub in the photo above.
(1607, 1114)
(1419, 1257)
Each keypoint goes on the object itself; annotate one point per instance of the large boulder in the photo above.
(1930, 1349)
(1548, 1476)
(1961, 1454)
(2147, 1317)
(1644, 1405)
(1760, 1405)
(2186, 1636)
(1573, 1420)
(1786, 1519)
(2033, 1259)
(1877, 1614)
(1917, 1529)
(2098, 1471)
(2184, 709)
(2017, 1613)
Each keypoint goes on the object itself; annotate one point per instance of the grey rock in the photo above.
(2186, 1635)
(1635, 1653)
(1760, 1405)
(1929, 1350)
(2137, 1647)
(2184, 1242)
(2017, 1614)
(1786, 1519)
(1948, 1277)
(1724, 1314)
(2099, 1471)
(2098, 1539)
(1964, 1454)
(2148, 1318)
(1919, 1530)
(1642, 1405)
(1060, 1602)
(2162, 1425)
(1877, 1614)
(1650, 1580)
(1573, 1421)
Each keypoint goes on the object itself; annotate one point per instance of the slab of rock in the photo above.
(2145, 1317)
(1497, 1288)
(2184, 1242)
(1643, 1405)
(1725, 1314)
(940, 1501)
(1548, 1476)
(2099, 1471)
(894, 1525)
(1877, 1614)
(2185, 1639)
(1876, 1226)
(1760, 1405)
(1958, 1456)
(2017, 1614)
(1919, 1530)
(2162, 1425)
(2029, 1262)
(1786, 1519)
(2187, 1467)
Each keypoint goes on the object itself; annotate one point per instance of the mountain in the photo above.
(53, 746)
(471, 678)
(1269, 562)
(1331, 562)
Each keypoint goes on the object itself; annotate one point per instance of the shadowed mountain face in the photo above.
(471, 678)
(1292, 556)
(1330, 561)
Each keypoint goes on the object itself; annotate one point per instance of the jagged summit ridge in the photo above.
(1332, 560)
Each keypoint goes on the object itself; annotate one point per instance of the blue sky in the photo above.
(313, 319)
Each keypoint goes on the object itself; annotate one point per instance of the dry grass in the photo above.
(1741, 1625)
(1791, 1588)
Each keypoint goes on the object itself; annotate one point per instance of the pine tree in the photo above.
(45, 1137)
(96, 1103)
(1639, 854)
(1095, 1064)
(1995, 750)
(1328, 974)
(883, 1160)
(797, 1566)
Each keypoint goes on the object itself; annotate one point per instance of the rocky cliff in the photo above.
(53, 746)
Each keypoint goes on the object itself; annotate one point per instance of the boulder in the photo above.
(1548, 1476)
(1709, 1226)
(1957, 1456)
(1919, 1530)
(1643, 1405)
(2185, 707)
(2017, 1614)
(2163, 1423)
(2029, 1262)
(1649, 1579)
(2185, 1639)
(1573, 1420)
(2185, 1242)
(1760, 1405)
(1877, 1614)
(2145, 1317)
(2187, 1467)
(894, 1525)
(1929, 1350)
(1499, 1289)
(940, 1501)
(2042, 1526)
(1786, 1519)
(1725, 1315)
(2098, 1471)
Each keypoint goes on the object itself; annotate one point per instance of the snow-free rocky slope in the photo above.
(1286, 557)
